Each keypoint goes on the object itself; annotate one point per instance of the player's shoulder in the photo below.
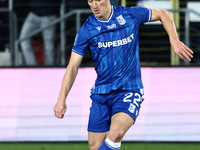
(126, 10)
(130, 8)
(133, 11)
(120, 9)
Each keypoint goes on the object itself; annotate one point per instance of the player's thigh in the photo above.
(96, 139)
(120, 123)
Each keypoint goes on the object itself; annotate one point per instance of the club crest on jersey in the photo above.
(99, 28)
(121, 20)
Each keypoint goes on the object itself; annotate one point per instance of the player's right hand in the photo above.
(60, 109)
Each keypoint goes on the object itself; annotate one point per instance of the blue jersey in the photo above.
(114, 45)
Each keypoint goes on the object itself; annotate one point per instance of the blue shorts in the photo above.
(104, 106)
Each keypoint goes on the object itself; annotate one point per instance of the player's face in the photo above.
(100, 8)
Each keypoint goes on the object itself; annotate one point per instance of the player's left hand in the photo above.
(182, 51)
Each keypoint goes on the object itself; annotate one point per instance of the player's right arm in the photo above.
(68, 80)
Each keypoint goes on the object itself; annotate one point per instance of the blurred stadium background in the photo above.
(169, 117)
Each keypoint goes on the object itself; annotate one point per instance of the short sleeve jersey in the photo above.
(114, 45)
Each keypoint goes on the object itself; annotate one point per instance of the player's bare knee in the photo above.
(94, 145)
(116, 135)
(91, 143)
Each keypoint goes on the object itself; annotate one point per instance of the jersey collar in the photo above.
(111, 14)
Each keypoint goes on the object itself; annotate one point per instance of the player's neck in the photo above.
(106, 13)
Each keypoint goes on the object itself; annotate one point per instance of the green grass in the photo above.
(84, 146)
(161, 146)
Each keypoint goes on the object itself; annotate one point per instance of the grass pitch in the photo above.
(84, 146)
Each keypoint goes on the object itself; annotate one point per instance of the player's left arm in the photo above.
(179, 48)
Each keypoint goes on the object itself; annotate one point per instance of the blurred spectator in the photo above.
(4, 42)
(42, 12)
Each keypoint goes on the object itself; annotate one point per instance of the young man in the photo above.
(111, 35)
(42, 12)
